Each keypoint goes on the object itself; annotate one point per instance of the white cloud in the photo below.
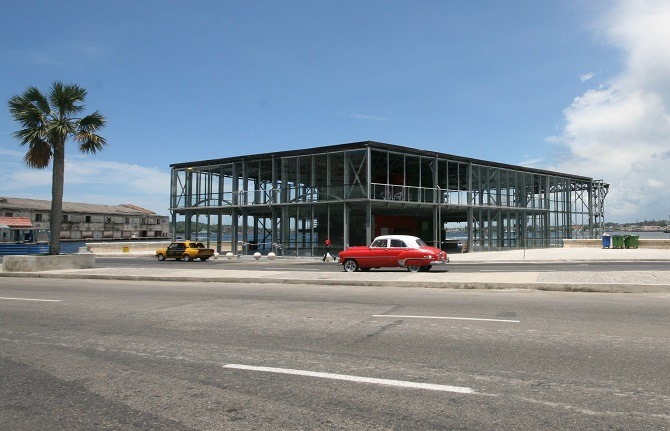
(620, 132)
(586, 76)
(532, 163)
(88, 180)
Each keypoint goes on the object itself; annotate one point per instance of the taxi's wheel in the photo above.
(413, 268)
(187, 258)
(204, 258)
(161, 257)
(350, 265)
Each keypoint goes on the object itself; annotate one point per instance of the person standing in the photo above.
(325, 256)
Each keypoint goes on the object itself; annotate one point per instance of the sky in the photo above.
(574, 86)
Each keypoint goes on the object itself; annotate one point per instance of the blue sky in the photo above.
(566, 85)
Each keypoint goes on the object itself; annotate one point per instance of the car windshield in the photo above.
(420, 242)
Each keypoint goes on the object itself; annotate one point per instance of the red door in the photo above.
(396, 248)
(377, 256)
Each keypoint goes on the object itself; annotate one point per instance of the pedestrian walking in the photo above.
(325, 256)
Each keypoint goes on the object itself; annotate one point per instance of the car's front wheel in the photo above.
(160, 257)
(187, 258)
(350, 265)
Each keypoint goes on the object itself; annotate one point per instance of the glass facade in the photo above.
(289, 202)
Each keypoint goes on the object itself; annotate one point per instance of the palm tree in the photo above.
(48, 123)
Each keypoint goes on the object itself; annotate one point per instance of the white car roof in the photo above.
(409, 240)
(407, 237)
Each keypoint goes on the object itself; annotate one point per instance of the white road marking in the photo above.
(448, 318)
(520, 270)
(357, 379)
(31, 299)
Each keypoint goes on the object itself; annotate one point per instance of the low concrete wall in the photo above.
(581, 243)
(144, 247)
(642, 243)
(47, 263)
(126, 246)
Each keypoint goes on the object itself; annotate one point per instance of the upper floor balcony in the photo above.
(376, 192)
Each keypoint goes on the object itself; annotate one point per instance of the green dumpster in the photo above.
(631, 241)
(617, 241)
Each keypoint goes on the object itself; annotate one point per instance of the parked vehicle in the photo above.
(392, 251)
(187, 250)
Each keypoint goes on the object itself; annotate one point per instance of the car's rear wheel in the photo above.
(187, 258)
(413, 268)
(160, 257)
(350, 265)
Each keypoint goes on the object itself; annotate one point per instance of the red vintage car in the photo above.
(391, 251)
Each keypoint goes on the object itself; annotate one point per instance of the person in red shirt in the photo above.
(327, 243)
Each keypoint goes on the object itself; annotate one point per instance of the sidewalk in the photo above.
(287, 270)
(576, 254)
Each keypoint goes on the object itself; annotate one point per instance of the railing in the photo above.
(394, 192)
(7, 249)
(379, 191)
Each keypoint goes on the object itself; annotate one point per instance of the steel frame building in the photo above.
(288, 202)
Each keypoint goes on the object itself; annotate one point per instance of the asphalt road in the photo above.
(94, 354)
(317, 265)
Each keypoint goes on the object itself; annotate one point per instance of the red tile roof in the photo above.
(16, 222)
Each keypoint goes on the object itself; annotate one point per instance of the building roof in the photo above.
(374, 145)
(136, 208)
(16, 222)
(72, 207)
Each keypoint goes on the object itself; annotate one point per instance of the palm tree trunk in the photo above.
(58, 179)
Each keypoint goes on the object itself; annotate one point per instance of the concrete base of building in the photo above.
(48, 263)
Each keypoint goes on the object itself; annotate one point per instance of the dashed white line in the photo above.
(448, 318)
(356, 379)
(520, 270)
(30, 299)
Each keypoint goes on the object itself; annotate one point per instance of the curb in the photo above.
(554, 287)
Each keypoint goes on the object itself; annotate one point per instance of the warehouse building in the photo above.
(28, 220)
(288, 202)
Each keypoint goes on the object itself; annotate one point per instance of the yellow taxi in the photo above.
(187, 250)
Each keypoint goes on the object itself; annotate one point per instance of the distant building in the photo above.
(83, 221)
(19, 229)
